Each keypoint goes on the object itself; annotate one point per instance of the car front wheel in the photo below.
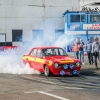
(47, 71)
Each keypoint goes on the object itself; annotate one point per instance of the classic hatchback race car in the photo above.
(52, 60)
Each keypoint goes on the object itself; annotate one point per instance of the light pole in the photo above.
(87, 30)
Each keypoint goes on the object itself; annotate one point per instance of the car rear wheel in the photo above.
(47, 71)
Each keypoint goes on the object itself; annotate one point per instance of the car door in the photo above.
(33, 58)
(39, 60)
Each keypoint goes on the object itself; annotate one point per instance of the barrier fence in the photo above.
(13, 49)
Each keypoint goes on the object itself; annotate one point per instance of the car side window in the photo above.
(38, 53)
(33, 53)
(56, 52)
(61, 52)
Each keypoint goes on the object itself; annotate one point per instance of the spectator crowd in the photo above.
(92, 49)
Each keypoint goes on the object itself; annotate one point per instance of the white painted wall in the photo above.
(23, 14)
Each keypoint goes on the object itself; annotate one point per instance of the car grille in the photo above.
(61, 66)
(66, 64)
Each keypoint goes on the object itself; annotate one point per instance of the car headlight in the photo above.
(56, 65)
(71, 66)
(78, 64)
(65, 66)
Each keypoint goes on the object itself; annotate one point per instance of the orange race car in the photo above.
(52, 60)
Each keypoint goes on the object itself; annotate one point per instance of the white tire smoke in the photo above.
(11, 64)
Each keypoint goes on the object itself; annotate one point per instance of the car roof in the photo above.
(44, 47)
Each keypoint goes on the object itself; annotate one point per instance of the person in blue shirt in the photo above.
(89, 52)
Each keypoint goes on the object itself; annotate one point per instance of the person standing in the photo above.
(76, 49)
(96, 49)
(81, 50)
(89, 51)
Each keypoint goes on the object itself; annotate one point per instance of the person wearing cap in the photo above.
(96, 49)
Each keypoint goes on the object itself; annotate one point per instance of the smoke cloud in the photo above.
(63, 40)
(11, 63)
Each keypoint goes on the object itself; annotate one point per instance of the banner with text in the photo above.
(91, 26)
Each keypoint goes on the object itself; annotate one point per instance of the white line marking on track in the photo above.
(74, 88)
(38, 91)
(31, 92)
(49, 94)
(52, 95)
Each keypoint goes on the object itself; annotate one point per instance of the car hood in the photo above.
(62, 59)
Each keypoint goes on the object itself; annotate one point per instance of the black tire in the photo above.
(47, 71)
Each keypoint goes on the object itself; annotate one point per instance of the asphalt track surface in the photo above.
(86, 86)
(39, 87)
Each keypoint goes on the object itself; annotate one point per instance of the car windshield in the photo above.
(54, 52)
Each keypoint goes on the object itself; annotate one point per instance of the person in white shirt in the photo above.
(96, 49)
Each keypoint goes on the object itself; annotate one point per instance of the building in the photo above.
(23, 20)
(85, 25)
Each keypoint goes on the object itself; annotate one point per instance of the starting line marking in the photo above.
(49, 94)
